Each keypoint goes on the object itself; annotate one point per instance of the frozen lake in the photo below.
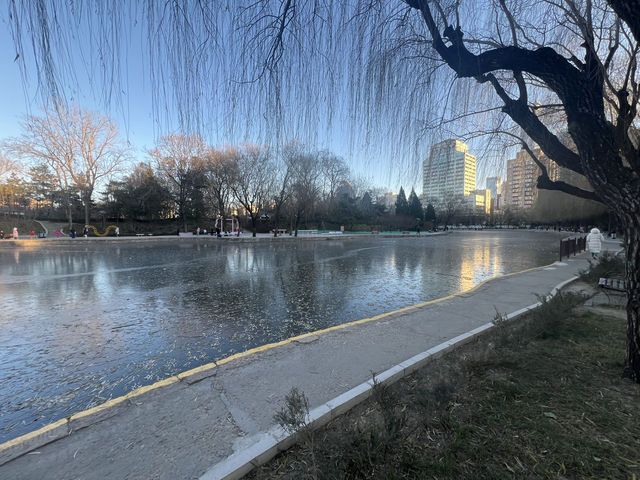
(85, 321)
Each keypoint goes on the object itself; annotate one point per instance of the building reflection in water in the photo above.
(481, 264)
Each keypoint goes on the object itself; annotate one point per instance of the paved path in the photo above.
(181, 430)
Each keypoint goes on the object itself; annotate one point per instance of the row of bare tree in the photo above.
(253, 178)
(77, 147)
(73, 151)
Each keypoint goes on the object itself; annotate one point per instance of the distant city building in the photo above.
(479, 201)
(520, 189)
(448, 171)
(495, 185)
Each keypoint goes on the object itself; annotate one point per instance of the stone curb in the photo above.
(268, 444)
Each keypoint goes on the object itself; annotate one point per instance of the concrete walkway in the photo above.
(182, 427)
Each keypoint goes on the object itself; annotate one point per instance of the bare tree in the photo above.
(100, 153)
(79, 146)
(179, 162)
(220, 168)
(591, 72)
(7, 166)
(447, 207)
(283, 188)
(334, 171)
(306, 186)
(253, 182)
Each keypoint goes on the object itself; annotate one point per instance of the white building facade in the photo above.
(448, 171)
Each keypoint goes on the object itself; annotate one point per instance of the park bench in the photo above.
(612, 284)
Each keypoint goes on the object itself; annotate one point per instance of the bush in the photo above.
(607, 266)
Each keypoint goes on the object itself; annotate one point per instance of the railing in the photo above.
(572, 246)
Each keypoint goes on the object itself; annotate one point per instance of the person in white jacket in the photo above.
(594, 242)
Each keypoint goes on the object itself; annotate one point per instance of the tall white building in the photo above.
(449, 171)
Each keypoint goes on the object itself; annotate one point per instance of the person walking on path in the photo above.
(594, 242)
(117, 231)
(15, 233)
(31, 234)
(73, 232)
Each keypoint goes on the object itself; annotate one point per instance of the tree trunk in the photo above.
(86, 213)
(69, 210)
(86, 199)
(632, 247)
(296, 225)
(253, 226)
(276, 221)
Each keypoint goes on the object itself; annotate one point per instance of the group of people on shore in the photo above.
(13, 235)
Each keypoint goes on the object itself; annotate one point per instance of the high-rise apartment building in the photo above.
(449, 171)
(520, 189)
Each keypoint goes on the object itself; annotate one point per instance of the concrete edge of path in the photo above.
(267, 445)
(26, 443)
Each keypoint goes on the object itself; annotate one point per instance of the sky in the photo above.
(141, 124)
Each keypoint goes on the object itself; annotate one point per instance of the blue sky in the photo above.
(132, 108)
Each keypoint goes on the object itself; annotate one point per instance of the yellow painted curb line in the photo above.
(84, 418)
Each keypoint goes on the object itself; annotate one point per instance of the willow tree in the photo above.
(380, 74)
(587, 74)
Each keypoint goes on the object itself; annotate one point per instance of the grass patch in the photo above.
(549, 403)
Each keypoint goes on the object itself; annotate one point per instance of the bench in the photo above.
(612, 284)
(139, 234)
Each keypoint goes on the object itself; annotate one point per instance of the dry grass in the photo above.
(547, 403)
